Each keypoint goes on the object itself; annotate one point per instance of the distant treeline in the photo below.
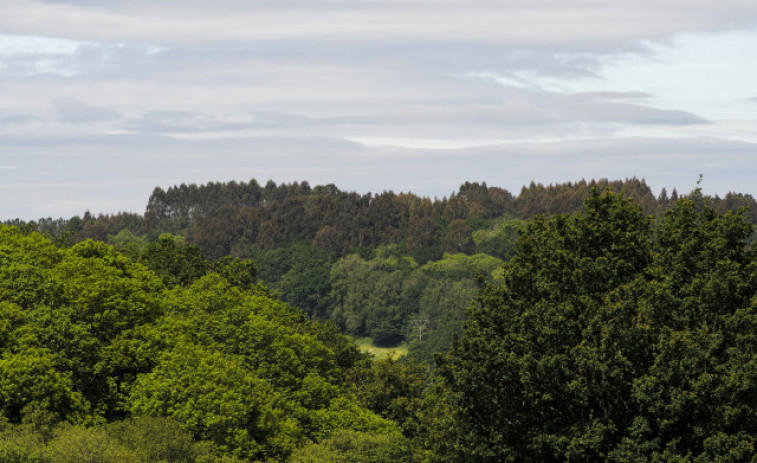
(232, 218)
(377, 265)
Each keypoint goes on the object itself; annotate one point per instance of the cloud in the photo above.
(519, 115)
(17, 119)
(178, 122)
(121, 171)
(576, 21)
(624, 113)
(671, 163)
(615, 96)
(73, 111)
(31, 56)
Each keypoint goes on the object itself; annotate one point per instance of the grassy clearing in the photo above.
(366, 345)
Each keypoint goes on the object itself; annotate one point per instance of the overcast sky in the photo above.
(102, 101)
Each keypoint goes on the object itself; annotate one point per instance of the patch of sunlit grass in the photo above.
(366, 345)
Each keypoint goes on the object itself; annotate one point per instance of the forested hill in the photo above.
(377, 265)
(605, 335)
(233, 217)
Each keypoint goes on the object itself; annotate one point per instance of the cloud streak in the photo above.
(536, 22)
(119, 172)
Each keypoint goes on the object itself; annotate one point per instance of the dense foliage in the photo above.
(304, 239)
(612, 326)
(88, 336)
(612, 340)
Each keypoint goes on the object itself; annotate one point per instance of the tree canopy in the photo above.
(612, 339)
(568, 323)
(89, 336)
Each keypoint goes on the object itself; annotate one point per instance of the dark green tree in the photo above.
(459, 238)
(174, 261)
(604, 346)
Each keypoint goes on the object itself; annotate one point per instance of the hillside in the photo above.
(605, 335)
(382, 265)
(90, 337)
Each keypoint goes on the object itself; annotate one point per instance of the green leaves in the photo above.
(88, 336)
(611, 342)
(175, 262)
(355, 447)
(143, 440)
(30, 382)
(214, 396)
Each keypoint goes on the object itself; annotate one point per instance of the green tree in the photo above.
(157, 440)
(30, 381)
(525, 379)
(305, 283)
(355, 447)
(76, 444)
(441, 312)
(62, 310)
(21, 444)
(602, 346)
(216, 398)
(174, 261)
(499, 241)
(368, 294)
(698, 394)
(88, 336)
(238, 272)
(394, 389)
(423, 242)
(459, 238)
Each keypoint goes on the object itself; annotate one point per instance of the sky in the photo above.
(102, 101)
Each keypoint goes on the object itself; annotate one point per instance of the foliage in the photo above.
(598, 334)
(383, 296)
(30, 381)
(174, 261)
(74, 444)
(354, 447)
(610, 341)
(215, 397)
(299, 272)
(499, 241)
(367, 296)
(143, 440)
(158, 439)
(296, 234)
(234, 217)
(394, 389)
(88, 336)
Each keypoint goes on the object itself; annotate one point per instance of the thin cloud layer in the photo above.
(118, 172)
(519, 21)
(103, 101)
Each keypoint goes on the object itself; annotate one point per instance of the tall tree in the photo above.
(602, 346)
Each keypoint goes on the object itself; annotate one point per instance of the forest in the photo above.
(390, 268)
(588, 321)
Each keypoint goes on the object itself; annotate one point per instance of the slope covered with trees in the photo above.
(387, 266)
(88, 337)
(614, 332)
(229, 218)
